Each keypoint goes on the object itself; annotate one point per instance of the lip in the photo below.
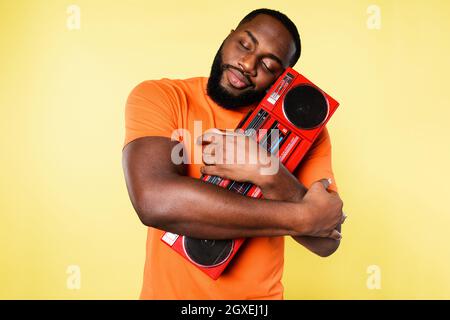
(236, 79)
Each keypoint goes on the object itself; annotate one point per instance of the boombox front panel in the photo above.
(291, 104)
(213, 270)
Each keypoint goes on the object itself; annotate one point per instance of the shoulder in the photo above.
(166, 83)
(169, 88)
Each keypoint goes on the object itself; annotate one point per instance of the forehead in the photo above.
(272, 35)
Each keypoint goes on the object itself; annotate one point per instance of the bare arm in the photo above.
(279, 185)
(165, 198)
(284, 186)
(322, 210)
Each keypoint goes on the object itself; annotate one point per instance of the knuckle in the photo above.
(205, 170)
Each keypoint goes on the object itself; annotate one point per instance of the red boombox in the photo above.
(297, 111)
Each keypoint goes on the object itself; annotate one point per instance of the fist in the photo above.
(323, 211)
(235, 156)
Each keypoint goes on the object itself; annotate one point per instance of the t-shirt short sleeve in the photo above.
(317, 163)
(151, 110)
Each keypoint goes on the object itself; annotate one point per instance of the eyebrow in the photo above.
(269, 55)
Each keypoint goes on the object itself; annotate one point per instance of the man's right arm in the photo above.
(165, 198)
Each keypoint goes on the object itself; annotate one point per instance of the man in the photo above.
(170, 197)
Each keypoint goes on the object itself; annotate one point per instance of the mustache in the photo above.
(229, 66)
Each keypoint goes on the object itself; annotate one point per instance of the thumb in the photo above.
(209, 136)
(322, 183)
(336, 235)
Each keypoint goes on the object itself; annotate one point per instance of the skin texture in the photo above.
(154, 183)
(281, 186)
(257, 52)
(252, 48)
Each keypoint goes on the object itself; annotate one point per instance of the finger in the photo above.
(209, 154)
(336, 235)
(202, 139)
(206, 138)
(321, 184)
(209, 149)
(344, 216)
(210, 135)
(326, 182)
(209, 160)
(210, 170)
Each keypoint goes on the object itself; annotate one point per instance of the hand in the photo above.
(283, 186)
(235, 156)
(324, 211)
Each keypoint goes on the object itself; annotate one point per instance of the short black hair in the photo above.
(290, 26)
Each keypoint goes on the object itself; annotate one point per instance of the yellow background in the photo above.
(63, 199)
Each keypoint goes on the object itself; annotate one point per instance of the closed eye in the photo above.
(267, 68)
(243, 46)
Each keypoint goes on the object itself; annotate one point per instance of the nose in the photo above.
(248, 65)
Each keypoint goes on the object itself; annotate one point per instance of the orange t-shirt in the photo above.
(157, 108)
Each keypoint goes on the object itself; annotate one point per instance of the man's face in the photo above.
(248, 62)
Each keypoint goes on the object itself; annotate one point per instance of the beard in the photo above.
(220, 95)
